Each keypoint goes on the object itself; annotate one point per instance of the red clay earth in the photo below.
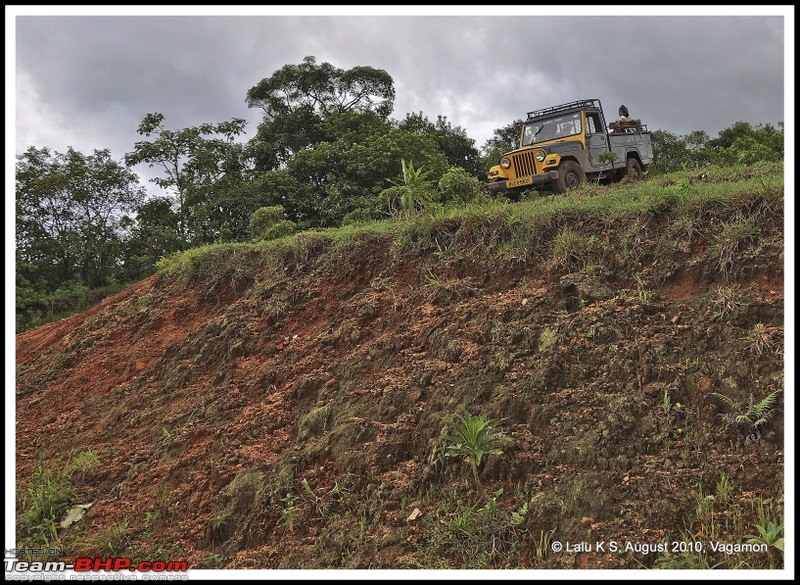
(291, 418)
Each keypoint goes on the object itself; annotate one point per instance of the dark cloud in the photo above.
(87, 81)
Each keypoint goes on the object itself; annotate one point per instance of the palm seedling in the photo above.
(473, 438)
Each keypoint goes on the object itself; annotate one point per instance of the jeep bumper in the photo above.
(501, 186)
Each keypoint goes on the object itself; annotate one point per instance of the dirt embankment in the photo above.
(292, 417)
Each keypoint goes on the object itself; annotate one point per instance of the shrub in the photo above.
(458, 185)
(266, 218)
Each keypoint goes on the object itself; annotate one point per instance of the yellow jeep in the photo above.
(560, 148)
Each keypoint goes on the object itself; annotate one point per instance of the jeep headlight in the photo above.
(539, 156)
(505, 162)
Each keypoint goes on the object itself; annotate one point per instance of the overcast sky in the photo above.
(85, 77)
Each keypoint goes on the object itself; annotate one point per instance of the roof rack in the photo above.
(589, 103)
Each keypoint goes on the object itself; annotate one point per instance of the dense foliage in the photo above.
(326, 153)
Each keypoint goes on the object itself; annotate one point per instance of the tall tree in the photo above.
(296, 98)
(68, 210)
(195, 160)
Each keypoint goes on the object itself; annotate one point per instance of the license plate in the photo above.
(512, 183)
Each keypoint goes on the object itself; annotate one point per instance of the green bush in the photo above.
(280, 229)
(458, 185)
(269, 223)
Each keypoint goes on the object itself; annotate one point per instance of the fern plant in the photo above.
(474, 438)
(747, 418)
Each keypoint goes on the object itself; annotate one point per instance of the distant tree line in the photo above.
(326, 153)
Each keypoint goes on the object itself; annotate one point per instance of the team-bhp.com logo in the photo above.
(95, 564)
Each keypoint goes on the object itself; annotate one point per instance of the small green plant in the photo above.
(607, 157)
(167, 436)
(218, 522)
(474, 438)
(705, 503)
(644, 294)
(547, 338)
(214, 561)
(747, 418)
(666, 402)
(770, 529)
(543, 543)
(432, 280)
(724, 488)
(322, 499)
(771, 535)
(415, 191)
(290, 512)
(519, 517)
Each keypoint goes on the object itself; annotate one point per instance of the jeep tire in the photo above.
(633, 171)
(570, 176)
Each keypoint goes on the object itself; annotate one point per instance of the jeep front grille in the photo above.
(524, 164)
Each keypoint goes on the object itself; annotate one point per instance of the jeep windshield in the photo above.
(543, 130)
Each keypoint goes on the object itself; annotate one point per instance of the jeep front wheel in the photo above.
(570, 176)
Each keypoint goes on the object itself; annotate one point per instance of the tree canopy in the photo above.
(69, 209)
(296, 98)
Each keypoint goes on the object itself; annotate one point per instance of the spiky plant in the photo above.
(474, 438)
(415, 189)
(746, 418)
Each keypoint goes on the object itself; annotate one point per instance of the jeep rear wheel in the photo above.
(570, 176)
(633, 171)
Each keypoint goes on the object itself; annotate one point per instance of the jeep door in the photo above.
(596, 140)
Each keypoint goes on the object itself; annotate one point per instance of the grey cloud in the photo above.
(678, 73)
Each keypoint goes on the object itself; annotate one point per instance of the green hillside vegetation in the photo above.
(85, 227)
(535, 230)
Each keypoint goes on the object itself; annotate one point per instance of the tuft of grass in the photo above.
(724, 488)
(759, 340)
(572, 250)
(466, 535)
(43, 502)
(644, 294)
(726, 301)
